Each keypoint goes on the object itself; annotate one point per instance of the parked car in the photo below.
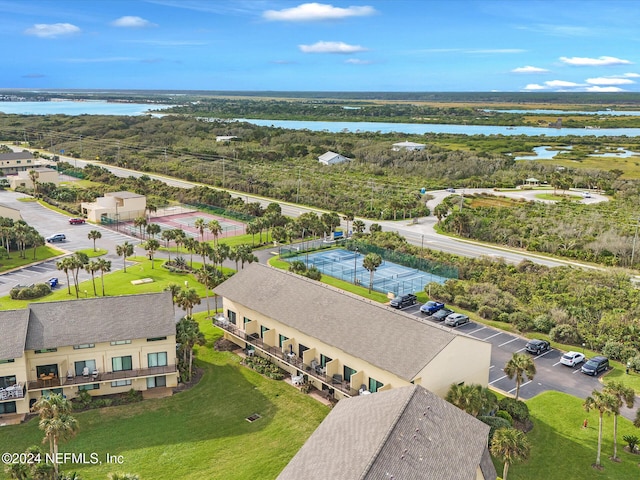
(451, 190)
(76, 221)
(595, 365)
(431, 307)
(456, 319)
(537, 347)
(403, 301)
(571, 359)
(441, 314)
(58, 237)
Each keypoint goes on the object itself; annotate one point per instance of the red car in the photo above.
(76, 221)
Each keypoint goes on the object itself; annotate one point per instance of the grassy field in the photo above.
(197, 434)
(563, 449)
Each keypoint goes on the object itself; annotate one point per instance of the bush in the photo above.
(465, 302)
(613, 350)
(634, 363)
(488, 313)
(516, 408)
(27, 293)
(495, 423)
(632, 442)
(543, 323)
(565, 334)
(521, 321)
(506, 415)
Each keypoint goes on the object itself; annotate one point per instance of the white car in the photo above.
(571, 359)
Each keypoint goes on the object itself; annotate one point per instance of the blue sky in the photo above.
(392, 45)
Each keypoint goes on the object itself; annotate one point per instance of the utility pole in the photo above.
(298, 192)
(80, 146)
(372, 186)
(223, 172)
(635, 239)
(118, 155)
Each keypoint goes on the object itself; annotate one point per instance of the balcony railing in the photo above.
(292, 360)
(12, 392)
(101, 377)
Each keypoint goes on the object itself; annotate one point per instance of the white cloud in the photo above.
(357, 61)
(529, 69)
(331, 47)
(604, 89)
(132, 22)
(54, 30)
(562, 84)
(534, 86)
(627, 75)
(609, 81)
(313, 12)
(99, 60)
(594, 62)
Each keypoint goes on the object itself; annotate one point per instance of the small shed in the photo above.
(532, 182)
(332, 158)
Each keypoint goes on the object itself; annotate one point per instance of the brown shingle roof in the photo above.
(404, 433)
(394, 341)
(102, 319)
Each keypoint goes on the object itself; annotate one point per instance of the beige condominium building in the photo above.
(415, 435)
(342, 343)
(102, 345)
(115, 207)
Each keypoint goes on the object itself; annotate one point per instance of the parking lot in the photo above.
(551, 374)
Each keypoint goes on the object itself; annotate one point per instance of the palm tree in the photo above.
(151, 246)
(167, 236)
(187, 299)
(210, 277)
(77, 261)
(371, 262)
(179, 237)
(92, 267)
(125, 250)
(36, 241)
(623, 395)
(105, 267)
(359, 226)
(466, 397)
(188, 334)
(519, 366)
(140, 222)
(65, 266)
(199, 224)
(153, 229)
(33, 176)
(55, 421)
(509, 445)
(191, 244)
(252, 228)
(175, 289)
(215, 229)
(94, 235)
(348, 217)
(603, 403)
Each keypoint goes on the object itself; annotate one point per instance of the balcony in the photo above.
(11, 393)
(292, 360)
(101, 377)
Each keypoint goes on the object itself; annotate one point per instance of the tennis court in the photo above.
(388, 277)
(185, 221)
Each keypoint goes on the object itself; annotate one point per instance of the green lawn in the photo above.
(197, 434)
(14, 261)
(562, 449)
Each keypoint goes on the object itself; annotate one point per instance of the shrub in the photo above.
(634, 363)
(565, 334)
(543, 323)
(632, 442)
(488, 313)
(516, 408)
(613, 350)
(495, 423)
(506, 415)
(503, 317)
(465, 302)
(521, 321)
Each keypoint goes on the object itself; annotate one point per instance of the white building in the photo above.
(332, 158)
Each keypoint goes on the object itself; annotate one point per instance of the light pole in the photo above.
(583, 345)
(355, 266)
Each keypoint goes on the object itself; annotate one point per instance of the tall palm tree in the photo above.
(465, 397)
(187, 299)
(105, 267)
(92, 267)
(215, 229)
(603, 403)
(33, 176)
(94, 235)
(191, 244)
(167, 236)
(153, 229)
(348, 217)
(188, 334)
(125, 250)
(623, 395)
(36, 241)
(77, 262)
(371, 262)
(509, 445)
(65, 265)
(151, 246)
(175, 289)
(210, 277)
(141, 223)
(179, 238)
(199, 224)
(55, 421)
(519, 366)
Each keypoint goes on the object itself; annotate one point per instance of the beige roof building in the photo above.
(115, 207)
(342, 343)
(23, 178)
(14, 162)
(102, 345)
(404, 433)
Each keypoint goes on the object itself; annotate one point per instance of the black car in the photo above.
(441, 314)
(537, 346)
(595, 365)
(404, 301)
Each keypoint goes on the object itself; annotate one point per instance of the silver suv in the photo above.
(58, 237)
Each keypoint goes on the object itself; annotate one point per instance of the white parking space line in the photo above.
(557, 363)
(576, 371)
(494, 335)
(543, 354)
(521, 350)
(497, 379)
(491, 367)
(521, 385)
(505, 343)
(476, 330)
